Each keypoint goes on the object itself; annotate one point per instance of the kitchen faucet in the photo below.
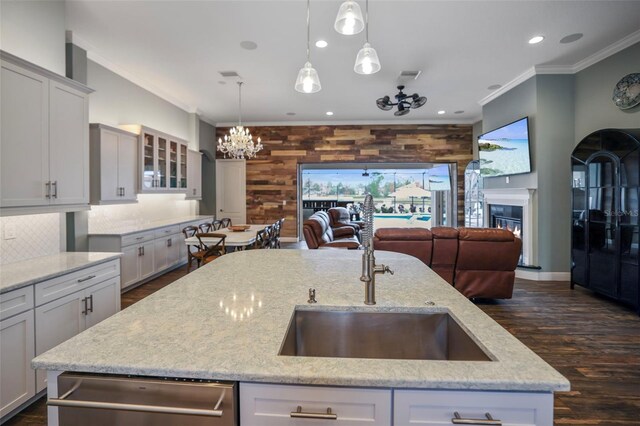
(369, 267)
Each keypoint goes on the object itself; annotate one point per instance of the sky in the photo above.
(354, 177)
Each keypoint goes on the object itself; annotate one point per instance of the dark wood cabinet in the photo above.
(605, 214)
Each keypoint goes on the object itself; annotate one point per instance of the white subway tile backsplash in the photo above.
(150, 208)
(35, 236)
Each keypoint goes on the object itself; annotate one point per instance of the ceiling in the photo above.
(178, 47)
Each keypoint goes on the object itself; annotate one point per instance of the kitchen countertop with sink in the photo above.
(227, 321)
(21, 274)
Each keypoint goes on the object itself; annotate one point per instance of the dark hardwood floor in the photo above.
(592, 341)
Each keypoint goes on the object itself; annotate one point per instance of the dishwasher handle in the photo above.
(59, 402)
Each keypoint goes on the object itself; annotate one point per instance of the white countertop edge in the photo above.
(48, 276)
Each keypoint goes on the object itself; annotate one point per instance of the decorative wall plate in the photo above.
(626, 94)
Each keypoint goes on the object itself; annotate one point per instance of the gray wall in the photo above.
(208, 143)
(35, 31)
(519, 102)
(476, 131)
(593, 91)
(553, 146)
(118, 101)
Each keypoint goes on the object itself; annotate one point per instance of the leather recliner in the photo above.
(339, 217)
(319, 233)
(487, 259)
(445, 252)
(415, 242)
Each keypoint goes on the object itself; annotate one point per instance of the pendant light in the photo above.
(239, 142)
(308, 80)
(349, 20)
(367, 61)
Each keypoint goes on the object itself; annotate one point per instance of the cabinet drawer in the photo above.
(16, 301)
(76, 281)
(169, 230)
(139, 237)
(426, 407)
(273, 405)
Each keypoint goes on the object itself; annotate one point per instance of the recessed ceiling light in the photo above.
(536, 39)
(458, 112)
(291, 113)
(441, 112)
(249, 45)
(329, 113)
(571, 38)
(321, 44)
(494, 87)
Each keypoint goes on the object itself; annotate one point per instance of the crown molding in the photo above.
(600, 55)
(347, 123)
(510, 85)
(93, 55)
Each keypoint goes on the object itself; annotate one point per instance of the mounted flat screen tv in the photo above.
(505, 150)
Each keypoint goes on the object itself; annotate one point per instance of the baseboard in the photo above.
(543, 276)
(289, 239)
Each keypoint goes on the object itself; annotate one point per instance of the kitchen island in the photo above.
(227, 321)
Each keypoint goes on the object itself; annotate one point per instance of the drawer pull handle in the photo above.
(139, 238)
(299, 414)
(81, 280)
(457, 420)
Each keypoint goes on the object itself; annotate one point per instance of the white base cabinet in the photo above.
(290, 405)
(38, 317)
(277, 405)
(17, 383)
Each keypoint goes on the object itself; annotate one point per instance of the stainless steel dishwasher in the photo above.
(103, 400)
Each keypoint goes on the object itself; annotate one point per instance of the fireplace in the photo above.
(512, 208)
(507, 217)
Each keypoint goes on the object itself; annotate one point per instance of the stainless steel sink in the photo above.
(382, 335)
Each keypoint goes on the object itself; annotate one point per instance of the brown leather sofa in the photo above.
(479, 262)
(339, 217)
(319, 233)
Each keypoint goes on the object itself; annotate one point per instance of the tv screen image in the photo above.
(505, 150)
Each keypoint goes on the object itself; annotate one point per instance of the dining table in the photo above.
(236, 239)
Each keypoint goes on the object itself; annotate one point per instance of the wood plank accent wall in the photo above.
(273, 175)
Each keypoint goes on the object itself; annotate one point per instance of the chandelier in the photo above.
(403, 101)
(239, 142)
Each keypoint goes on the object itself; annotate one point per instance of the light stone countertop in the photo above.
(184, 330)
(132, 228)
(21, 274)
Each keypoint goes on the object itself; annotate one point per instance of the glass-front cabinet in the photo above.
(163, 162)
(605, 210)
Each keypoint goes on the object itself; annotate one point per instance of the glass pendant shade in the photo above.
(349, 20)
(308, 80)
(367, 61)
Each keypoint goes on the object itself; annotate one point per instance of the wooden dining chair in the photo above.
(192, 250)
(280, 223)
(205, 227)
(226, 222)
(262, 239)
(211, 250)
(217, 224)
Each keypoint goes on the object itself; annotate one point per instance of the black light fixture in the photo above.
(403, 101)
(366, 172)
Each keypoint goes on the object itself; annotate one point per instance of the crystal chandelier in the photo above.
(239, 142)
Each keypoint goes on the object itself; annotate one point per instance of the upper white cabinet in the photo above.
(44, 145)
(114, 154)
(163, 162)
(194, 175)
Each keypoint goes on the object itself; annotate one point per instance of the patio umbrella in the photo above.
(411, 191)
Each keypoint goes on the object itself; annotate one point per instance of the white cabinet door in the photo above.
(173, 249)
(68, 144)
(160, 253)
(129, 265)
(231, 194)
(109, 187)
(104, 301)
(127, 166)
(16, 351)
(147, 264)
(57, 322)
(194, 175)
(24, 140)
